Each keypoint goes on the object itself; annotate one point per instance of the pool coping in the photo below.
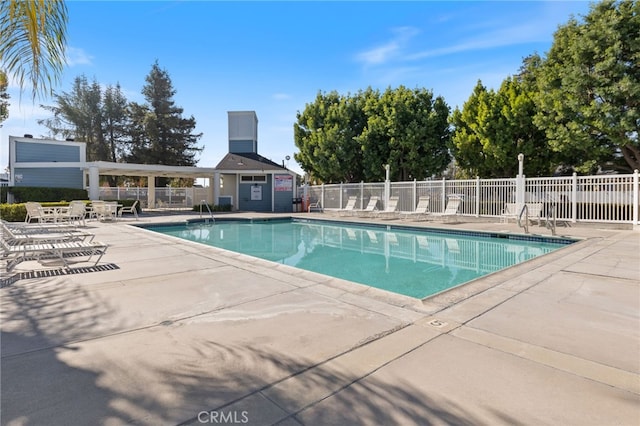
(433, 303)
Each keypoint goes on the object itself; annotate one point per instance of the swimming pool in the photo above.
(416, 262)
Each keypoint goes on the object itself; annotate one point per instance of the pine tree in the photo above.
(159, 133)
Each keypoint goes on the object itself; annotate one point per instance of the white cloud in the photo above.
(531, 32)
(389, 50)
(76, 56)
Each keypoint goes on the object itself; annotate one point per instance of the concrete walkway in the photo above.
(171, 332)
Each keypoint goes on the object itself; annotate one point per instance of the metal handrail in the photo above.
(551, 224)
(210, 212)
(525, 211)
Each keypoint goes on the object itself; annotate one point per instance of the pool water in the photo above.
(415, 262)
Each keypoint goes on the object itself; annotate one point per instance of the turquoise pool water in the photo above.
(415, 262)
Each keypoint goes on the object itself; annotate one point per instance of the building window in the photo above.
(253, 179)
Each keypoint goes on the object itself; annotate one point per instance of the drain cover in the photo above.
(437, 323)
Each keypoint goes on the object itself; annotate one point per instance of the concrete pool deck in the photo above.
(171, 332)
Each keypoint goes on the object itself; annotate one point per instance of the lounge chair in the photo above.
(15, 235)
(390, 211)
(132, 209)
(371, 207)
(451, 210)
(349, 207)
(422, 209)
(16, 254)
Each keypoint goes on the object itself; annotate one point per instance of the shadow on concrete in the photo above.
(359, 401)
(40, 319)
(46, 322)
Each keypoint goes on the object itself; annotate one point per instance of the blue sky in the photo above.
(274, 57)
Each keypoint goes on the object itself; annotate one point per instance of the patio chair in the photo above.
(422, 209)
(349, 207)
(76, 212)
(510, 211)
(61, 250)
(132, 209)
(390, 211)
(371, 207)
(314, 206)
(91, 209)
(36, 212)
(104, 210)
(534, 212)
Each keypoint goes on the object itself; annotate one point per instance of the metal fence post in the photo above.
(322, 195)
(444, 194)
(574, 197)
(414, 195)
(477, 196)
(636, 195)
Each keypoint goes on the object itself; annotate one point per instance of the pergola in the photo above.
(95, 169)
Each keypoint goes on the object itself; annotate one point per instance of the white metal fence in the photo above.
(602, 198)
(168, 197)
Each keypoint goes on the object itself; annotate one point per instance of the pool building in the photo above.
(243, 178)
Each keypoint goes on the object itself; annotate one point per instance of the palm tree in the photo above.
(33, 41)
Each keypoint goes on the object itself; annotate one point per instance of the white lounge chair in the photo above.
(132, 209)
(390, 211)
(61, 250)
(451, 210)
(371, 207)
(15, 235)
(349, 207)
(422, 209)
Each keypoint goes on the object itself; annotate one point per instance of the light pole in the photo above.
(520, 187)
(520, 163)
(387, 184)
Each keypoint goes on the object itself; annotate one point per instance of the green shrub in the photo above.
(22, 194)
(13, 212)
(213, 208)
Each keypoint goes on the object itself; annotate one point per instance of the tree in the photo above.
(494, 127)
(159, 134)
(4, 96)
(589, 88)
(350, 138)
(326, 134)
(408, 130)
(78, 114)
(33, 41)
(116, 120)
(99, 119)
